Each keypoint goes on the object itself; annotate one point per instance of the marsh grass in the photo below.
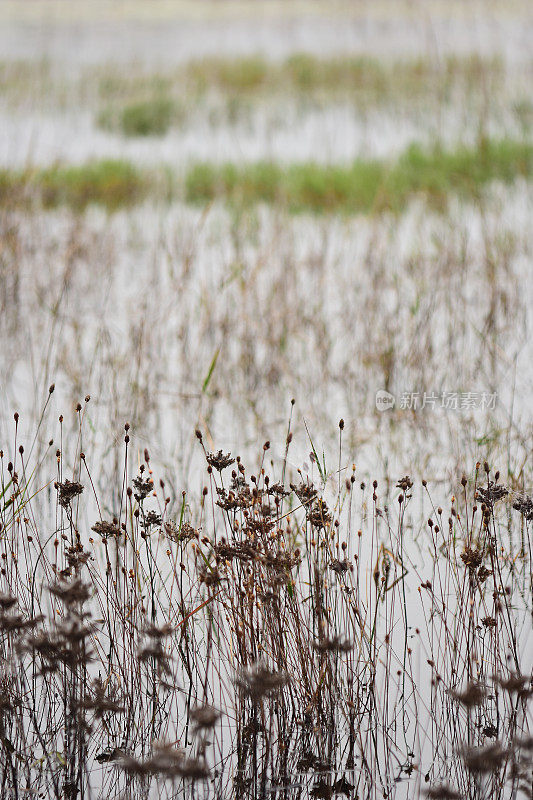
(111, 183)
(365, 186)
(152, 117)
(132, 100)
(261, 637)
(229, 89)
(24, 79)
(306, 73)
(79, 282)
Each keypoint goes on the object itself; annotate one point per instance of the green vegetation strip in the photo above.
(113, 184)
(362, 187)
(149, 104)
(136, 101)
(300, 73)
(305, 72)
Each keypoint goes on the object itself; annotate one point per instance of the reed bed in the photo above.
(271, 637)
(217, 317)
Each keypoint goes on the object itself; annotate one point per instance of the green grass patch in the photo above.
(137, 97)
(138, 103)
(306, 73)
(232, 74)
(112, 184)
(365, 186)
(152, 117)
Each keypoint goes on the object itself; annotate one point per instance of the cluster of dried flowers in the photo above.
(259, 593)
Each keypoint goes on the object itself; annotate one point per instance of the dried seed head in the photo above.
(106, 529)
(205, 717)
(491, 494)
(524, 504)
(70, 593)
(7, 601)
(68, 490)
(336, 644)
(404, 484)
(516, 684)
(143, 487)
(258, 681)
(473, 695)
(339, 567)
(158, 631)
(485, 759)
(442, 792)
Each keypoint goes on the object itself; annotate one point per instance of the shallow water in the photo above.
(338, 133)
(171, 33)
(294, 308)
